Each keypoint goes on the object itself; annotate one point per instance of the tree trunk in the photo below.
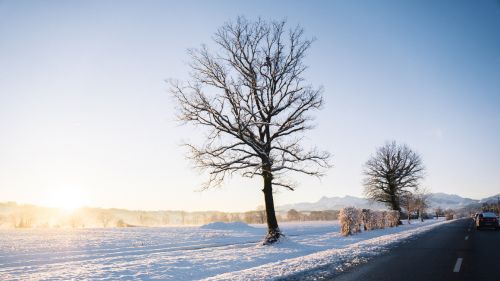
(395, 206)
(273, 231)
(395, 202)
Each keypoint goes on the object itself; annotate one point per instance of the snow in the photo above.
(339, 258)
(235, 226)
(215, 251)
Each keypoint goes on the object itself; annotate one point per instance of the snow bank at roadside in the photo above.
(227, 226)
(352, 254)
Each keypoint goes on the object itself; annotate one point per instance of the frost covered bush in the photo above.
(449, 214)
(392, 218)
(449, 217)
(380, 220)
(350, 221)
(371, 219)
(357, 225)
(366, 218)
(377, 220)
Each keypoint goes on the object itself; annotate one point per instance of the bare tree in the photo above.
(449, 214)
(165, 219)
(261, 214)
(422, 202)
(393, 172)
(439, 212)
(121, 223)
(293, 215)
(104, 218)
(408, 202)
(75, 221)
(252, 98)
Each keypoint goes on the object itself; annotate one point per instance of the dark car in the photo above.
(487, 219)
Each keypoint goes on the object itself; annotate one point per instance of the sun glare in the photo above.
(67, 199)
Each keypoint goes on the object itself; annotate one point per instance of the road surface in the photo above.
(453, 251)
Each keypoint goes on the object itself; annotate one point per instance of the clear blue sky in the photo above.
(84, 107)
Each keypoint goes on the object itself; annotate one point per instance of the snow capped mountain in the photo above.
(442, 200)
(491, 199)
(449, 201)
(333, 203)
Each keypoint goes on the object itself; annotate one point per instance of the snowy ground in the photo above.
(215, 252)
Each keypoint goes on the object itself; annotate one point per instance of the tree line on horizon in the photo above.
(13, 215)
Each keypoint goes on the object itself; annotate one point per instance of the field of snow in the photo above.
(216, 251)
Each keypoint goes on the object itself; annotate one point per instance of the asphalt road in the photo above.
(454, 251)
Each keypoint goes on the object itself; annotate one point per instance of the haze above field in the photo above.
(86, 118)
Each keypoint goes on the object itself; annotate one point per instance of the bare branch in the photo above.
(393, 172)
(252, 99)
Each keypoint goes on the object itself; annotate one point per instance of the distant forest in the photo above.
(13, 215)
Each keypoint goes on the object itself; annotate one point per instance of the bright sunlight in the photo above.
(67, 199)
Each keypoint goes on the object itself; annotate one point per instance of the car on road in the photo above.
(487, 219)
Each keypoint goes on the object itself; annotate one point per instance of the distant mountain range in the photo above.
(443, 200)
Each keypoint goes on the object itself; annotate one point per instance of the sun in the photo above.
(68, 199)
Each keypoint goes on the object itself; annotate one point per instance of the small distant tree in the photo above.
(250, 217)
(408, 203)
(223, 217)
(293, 215)
(261, 214)
(183, 217)
(104, 218)
(439, 212)
(393, 172)
(422, 202)
(76, 221)
(143, 218)
(252, 98)
(22, 219)
(316, 216)
(449, 213)
(165, 219)
(234, 217)
(258, 216)
(121, 223)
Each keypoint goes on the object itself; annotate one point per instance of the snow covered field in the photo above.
(216, 252)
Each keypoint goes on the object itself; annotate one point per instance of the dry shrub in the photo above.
(366, 218)
(350, 221)
(392, 218)
(379, 220)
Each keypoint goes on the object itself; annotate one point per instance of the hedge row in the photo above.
(352, 220)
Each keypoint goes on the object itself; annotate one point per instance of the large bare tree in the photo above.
(392, 173)
(252, 98)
